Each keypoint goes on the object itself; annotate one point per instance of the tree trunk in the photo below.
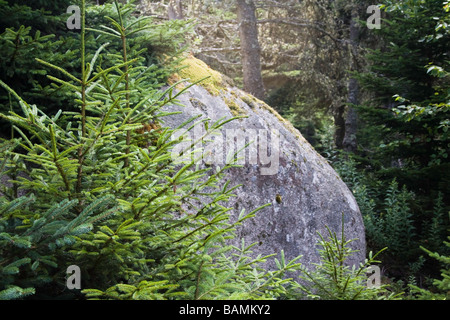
(250, 49)
(351, 121)
(339, 124)
(175, 10)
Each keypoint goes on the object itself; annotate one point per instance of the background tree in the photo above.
(250, 49)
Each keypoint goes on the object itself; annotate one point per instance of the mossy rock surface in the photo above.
(305, 193)
(194, 70)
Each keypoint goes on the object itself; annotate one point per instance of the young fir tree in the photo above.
(334, 279)
(441, 286)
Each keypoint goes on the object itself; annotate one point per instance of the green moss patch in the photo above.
(194, 70)
(235, 109)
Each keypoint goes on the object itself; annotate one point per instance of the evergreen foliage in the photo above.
(404, 133)
(390, 222)
(399, 174)
(334, 279)
(441, 287)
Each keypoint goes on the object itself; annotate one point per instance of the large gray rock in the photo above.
(305, 192)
